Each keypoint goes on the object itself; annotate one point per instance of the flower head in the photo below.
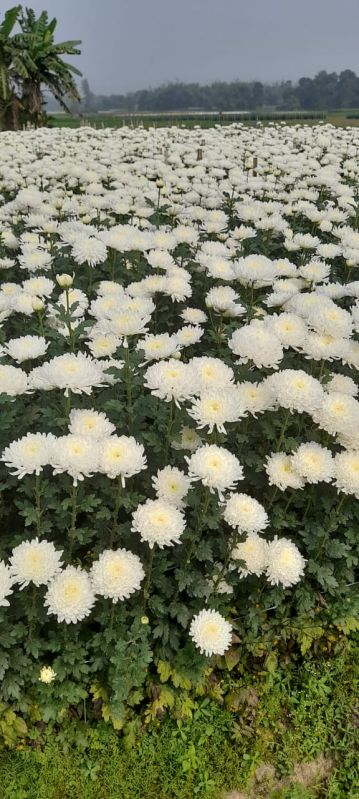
(210, 632)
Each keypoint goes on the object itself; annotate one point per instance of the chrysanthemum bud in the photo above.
(64, 281)
(38, 304)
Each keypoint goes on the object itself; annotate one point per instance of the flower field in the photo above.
(180, 424)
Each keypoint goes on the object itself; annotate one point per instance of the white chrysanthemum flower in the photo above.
(347, 472)
(35, 562)
(90, 423)
(171, 380)
(160, 259)
(13, 381)
(158, 346)
(89, 250)
(6, 582)
(29, 454)
(216, 467)
(224, 300)
(211, 373)
(189, 439)
(158, 522)
(26, 348)
(254, 552)
(103, 345)
(289, 328)
(322, 346)
(116, 574)
(215, 407)
(342, 385)
(295, 390)
(255, 269)
(77, 373)
(285, 563)
(338, 413)
(76, 455)
(281, 472)
(38, 286)
(34, 259)
(128, 323)
(218, 267)
(6, 263)
(315, 271)
(256, 342)
(70, 596)
(188, 335)
(107, 306)
(246, 513)
(121, 456)
(171, 485)
(193, 316)
(285, 268)
(329, 318)
(211, 633)
(314, 463)
(177, 288)
(108, 288)
(255, 397)
(47, 675)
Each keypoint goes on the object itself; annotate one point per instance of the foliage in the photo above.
(29, 61)
(256, 747)
(323, 92)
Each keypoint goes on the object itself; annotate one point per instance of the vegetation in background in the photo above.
(327, 90)
(291, 733)
(30, 61)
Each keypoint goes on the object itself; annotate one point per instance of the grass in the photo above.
(338, 118)
(292, 735)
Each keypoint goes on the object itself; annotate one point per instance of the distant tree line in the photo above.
(327, 90)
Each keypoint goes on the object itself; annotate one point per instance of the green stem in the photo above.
(117, 503)
(72, 528)
(283, 430)
(274, 494)
(223, 571)
(38, 504)
(32, 613)
(146, 590)
(201, 516)
(68, 321)
(171, 416)
(41, 323)
(113, 264)
(128, 387)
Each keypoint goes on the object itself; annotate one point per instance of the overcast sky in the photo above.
(133, 44)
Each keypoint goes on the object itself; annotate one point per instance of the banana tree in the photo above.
(41, 64)
(29, 61)
(10, 103)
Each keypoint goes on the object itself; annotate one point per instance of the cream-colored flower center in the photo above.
(115, 569)
(71, 590)
(210, 628)
(76, 449)
(31, 448)
(160, 518)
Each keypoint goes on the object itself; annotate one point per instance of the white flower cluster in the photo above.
(205, 329)
(71, 591)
